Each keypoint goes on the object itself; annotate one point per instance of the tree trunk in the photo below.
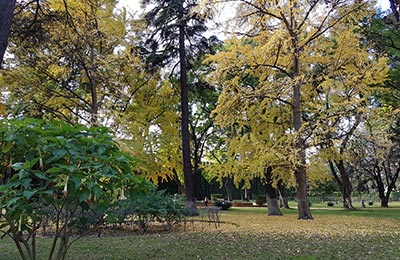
(300, 173)
(346, 187)
(228, 190)
(187, 165)
(391, 180)
(385, 201)
(381, 186)
(93, 90)
(284, 195)
(7, 8)
(181, 189)
(272, 194)
(303, 204)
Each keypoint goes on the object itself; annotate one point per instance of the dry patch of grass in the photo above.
(248, 234)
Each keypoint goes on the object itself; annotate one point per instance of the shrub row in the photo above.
(153, 207)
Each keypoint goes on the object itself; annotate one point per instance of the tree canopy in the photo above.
(290, 97)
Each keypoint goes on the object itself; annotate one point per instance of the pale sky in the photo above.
(134, 5)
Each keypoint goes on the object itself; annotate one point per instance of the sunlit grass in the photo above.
(248, 233)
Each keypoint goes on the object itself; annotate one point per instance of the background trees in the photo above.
(377, 154)
(296, 86)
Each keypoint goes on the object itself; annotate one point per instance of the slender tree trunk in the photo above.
(391, 180)
(228, 189)
(272, 194)
(300, 172)
(7, 8)
(284, 195)
(181, 189)
(381, 186)
(93, 90)
(187, 165)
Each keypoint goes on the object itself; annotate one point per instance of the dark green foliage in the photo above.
(223, 204)
(325, 188)
(153, 207)
(162, 40)
(260, 199)
(60, 175)
(330, 204)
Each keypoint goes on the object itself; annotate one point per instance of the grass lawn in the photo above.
(248, 233)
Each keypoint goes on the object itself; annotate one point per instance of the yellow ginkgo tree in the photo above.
(295, 69)
(152, 125)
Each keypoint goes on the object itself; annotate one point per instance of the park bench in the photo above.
(210, 215)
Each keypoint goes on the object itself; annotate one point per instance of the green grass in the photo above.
(249, 234)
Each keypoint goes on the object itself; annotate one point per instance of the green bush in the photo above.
(261, 199)
(53, 173)
(155, 206)
(223, 204)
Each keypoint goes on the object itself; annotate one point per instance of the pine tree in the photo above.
(175, 37)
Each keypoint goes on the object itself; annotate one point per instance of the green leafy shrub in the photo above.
(260, 199)
(155, 206)
(223, 204)
(67, 177)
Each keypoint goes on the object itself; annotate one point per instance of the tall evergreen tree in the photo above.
(175, 30)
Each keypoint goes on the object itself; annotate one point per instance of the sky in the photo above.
(134, 7)
(134, 4)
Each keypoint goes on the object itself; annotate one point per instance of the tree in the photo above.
(69, 176)
(377, 152)
(6, 15)
(176, 31)
(335, 143)
(152, 123)
(74, 63)
(377, 140)
(296, 57)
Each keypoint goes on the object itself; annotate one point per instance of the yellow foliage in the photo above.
(256, 74)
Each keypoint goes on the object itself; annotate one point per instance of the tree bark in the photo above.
(344, 182)
(300, 172)
(93, 90)
(391, 180)
(181, 189)
(272, 194)
(7, 8)
(284, 195)
(303, 204)
(228, 189)
(385, 201)
(187, 165)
